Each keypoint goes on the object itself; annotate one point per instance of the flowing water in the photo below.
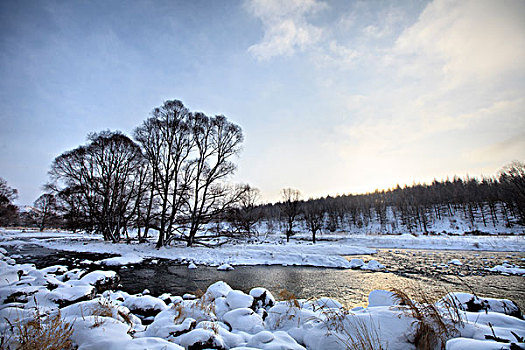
(413, 271)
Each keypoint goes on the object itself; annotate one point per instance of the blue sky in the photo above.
(333, 96)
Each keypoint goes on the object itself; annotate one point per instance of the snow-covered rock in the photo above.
(276, 340)
(373, 265)
(68, 294)
(102, 280)
(225, 267)
(356, 263)
(285, 315)
(508, 269)
(475, 344)
(245, 320)
(144, 305)
(473, 303)
(380, 297)
(263, 297)
(218, 289)
(237, 299)
(455, 262)
(230, 339)
(201, 339)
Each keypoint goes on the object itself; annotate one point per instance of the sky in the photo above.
(334, 97)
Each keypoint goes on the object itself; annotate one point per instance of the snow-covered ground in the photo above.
(80, 307)
(268, 250)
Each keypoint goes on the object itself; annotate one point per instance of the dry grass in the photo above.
(289, 297)
(293, 305)
(361, 335)
(205, 303)
(41, 332)
(104, 308)
(433, 326)
(213, 327)
(353, 332)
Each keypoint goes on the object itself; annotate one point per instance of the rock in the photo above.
(381, 297)
(373, 265)
(356, 263)
(473, 303)
(230, 339)
(55, 269)
(284, 315)
(276, 340)
(102, 280)
(237, 299)
(68, 294)
(201, 339)
(263, 297)
(225, 267)
(144, 306)
(218, 289)
(245, 320)
(455, 262)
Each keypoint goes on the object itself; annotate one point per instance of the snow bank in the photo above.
(330, 252)
(122, 260)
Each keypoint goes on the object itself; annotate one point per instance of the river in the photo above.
(414, 271)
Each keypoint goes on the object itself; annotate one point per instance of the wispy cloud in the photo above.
(286, 27)
(476, 40)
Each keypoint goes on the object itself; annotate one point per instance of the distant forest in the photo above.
(172, 176)
(483, 204)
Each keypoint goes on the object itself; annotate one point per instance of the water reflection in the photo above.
(351, 287)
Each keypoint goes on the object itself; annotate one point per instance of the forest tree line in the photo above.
(172, 176)
(486, 203)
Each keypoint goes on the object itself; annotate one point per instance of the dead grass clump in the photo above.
(179, 315)
(205, 303)
(353, 332)
(104, 308)
(433, 329)
(42, 332)
(361, 335)
(289, 297)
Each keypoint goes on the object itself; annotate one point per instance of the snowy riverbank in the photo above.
(79, 307)
(268, 250)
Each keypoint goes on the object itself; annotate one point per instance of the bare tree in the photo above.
(104, 174)
(8, 211)
(71, 210)
(291, 208)
(216, 142)
(190, 155)
(512, 178)
(247, 213)
(167, 143)
(314, 213)
(46, 206)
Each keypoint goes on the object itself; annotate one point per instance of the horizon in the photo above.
(334, 97)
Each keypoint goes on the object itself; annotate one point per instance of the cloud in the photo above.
(446, 97)
(286, 28)
(471, 40)
(409, 94)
